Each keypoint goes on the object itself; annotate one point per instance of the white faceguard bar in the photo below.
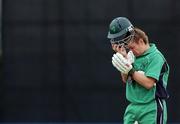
(123, 41)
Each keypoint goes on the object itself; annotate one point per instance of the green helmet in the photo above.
(120, 29)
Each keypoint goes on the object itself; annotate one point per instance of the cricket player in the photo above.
(144, 70)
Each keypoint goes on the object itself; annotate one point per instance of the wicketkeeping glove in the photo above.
(122, 64)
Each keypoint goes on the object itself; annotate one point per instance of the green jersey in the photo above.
(151, 63)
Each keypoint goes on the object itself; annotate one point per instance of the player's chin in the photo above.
(136, 54)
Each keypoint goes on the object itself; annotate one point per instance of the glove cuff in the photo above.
(131, 72)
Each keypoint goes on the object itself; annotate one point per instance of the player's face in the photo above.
(136, 47)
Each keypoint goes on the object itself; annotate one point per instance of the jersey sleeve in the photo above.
(154, 67)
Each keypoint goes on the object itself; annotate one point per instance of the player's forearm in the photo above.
(140, 78)
(124, 77)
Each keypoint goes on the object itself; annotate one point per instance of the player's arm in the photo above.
(143, 80)
(152, 74)
(123, 65)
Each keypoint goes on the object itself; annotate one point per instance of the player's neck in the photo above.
(146, 47)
